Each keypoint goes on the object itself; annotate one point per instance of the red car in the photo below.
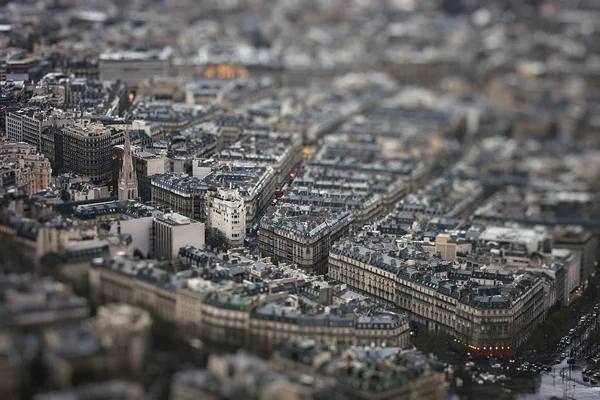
(558, 360)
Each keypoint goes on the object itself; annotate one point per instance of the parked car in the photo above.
(593, 381)
(586, 379)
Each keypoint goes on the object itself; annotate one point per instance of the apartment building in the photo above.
(485, 310)
(23, 167)
(238, 315)
(87, 149)
(181, 193)
(303, 235)
(227, 213)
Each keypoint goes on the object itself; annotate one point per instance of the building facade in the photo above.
(182, 194)
(87, 149)
(303, 235)
(227, 213)
(23, 167)
(485, 310)
(26, 125)
(173, 231)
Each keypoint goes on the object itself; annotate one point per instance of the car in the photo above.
(558, 361)
(593, 381)
(585, 378)
(563, 355)
(596, 375)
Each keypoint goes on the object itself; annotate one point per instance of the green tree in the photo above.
(216, 238)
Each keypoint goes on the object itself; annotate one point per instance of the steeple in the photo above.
(128, 187)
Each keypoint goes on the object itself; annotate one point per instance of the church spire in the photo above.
(128, 187)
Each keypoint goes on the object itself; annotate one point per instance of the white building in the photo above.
(525, 241)
(173, 231)
(140, 230)
(227, 212)
(26, 125)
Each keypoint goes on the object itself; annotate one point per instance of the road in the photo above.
(557, 383)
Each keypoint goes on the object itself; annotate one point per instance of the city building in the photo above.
(233, 376)
(245, 90)
(485, 309)
(258, 314)
(304, 369)
(83, 191)
(281, 151)
(133, 67)
(113, 344)
(181, 193)
(393, 372)
(109, 390)
(227, 213)
(189, 195)
(26, 124)
(34, 304)
(302, 235)
(87, 150)
(23, 167)
(172, 231)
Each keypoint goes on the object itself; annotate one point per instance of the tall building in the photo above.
(227, 213)
(173, 231)
(128, 186)
(86, 150)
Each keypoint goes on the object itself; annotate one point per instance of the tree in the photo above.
(63, 170)
(216, 238)
(65, 196)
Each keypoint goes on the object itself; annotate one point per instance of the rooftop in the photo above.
(304, 220)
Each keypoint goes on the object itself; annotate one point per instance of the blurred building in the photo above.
(111, 345)
(110, 390)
